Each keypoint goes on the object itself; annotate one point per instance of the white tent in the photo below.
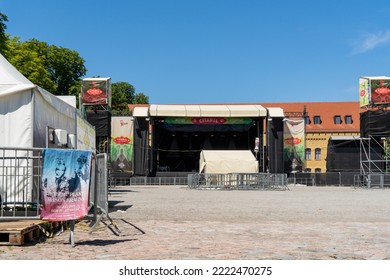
(26, 110)
(26, 113)
(225, 162)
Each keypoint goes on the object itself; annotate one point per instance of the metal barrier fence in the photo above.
(238, 181)
(21, 178)
(323, 179)
(153, 181)
(262, 179)
(373, 180)
(99, 198)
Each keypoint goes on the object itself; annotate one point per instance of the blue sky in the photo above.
(218, 51)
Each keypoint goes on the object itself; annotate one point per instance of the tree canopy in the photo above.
(3, 35)
(30, 63)
(53, 68)
(124, 94)
(58, 70)
(141, 98)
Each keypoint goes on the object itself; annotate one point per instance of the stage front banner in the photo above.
(294, 145)
(121, 146)
(65, 184)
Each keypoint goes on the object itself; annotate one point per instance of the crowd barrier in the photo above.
(373, 180)
(238, 181)
(21, 179)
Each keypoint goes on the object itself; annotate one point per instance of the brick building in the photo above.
(322, 121)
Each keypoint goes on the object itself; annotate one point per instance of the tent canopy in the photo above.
(11, 80)
(227, 161)
(26, 110)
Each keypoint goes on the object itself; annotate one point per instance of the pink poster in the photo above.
(65, 184)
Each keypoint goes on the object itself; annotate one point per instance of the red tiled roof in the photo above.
(327, 111)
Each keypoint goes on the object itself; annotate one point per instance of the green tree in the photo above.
(29, 63)
(66, 67)
(122, 95)
(3, 35)
(141, 98)
(56, 69)
(75, 90)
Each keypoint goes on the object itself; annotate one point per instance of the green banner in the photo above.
(207, 120)
(121, 148)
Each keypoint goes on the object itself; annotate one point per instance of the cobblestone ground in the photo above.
(172, 222)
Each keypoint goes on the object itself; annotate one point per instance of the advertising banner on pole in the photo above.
(294, 145)
(364, 92)
(380, 90)
(65, 184)
(374, 90)
(122, 141)
(96, 91)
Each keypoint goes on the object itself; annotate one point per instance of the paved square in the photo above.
(173, 222)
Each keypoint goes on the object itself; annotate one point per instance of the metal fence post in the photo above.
(340, 179)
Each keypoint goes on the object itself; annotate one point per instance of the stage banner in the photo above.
(85, 134)
(294, 145)
(207, 120)
(96, 91)
(380, 90)
(364, 92)
(122, 140)
(65, 184)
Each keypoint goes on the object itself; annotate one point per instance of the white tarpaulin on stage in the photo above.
(224, 162)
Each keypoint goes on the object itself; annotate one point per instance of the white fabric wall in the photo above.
(16, 128)
(53, 112)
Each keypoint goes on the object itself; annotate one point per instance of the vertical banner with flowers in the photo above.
(294, 145)
(380, 90)
(364, 92)
(121, 146)
(65, 184)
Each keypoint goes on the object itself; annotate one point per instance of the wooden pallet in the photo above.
(20, 231)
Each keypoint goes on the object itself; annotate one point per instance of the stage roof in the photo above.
(275, 112)
(207, 111)
(141, 112)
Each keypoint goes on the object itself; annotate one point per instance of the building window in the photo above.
(308, 170)
(308, 154)
(318, 170)
(306, 119)
(317, 120)
(337, 119)
(317, 154)
(348, 119)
